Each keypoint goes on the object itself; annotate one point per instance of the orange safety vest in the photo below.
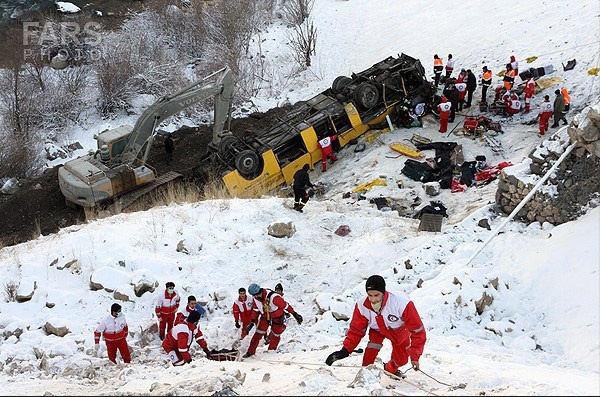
(437, 62)
(487, 75)
(566, 96)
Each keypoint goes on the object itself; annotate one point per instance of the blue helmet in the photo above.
(253, 289)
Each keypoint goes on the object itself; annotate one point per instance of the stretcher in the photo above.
(407, 150)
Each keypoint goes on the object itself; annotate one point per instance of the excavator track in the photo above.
(128, 198)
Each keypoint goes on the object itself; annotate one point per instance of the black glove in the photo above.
(237, 324)
(249, 328)
(298, 318)
(207, 352)
(333, 357)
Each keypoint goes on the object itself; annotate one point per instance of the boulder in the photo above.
(58, 331)
(281, 229)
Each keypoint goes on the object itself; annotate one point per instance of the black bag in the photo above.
(417, 171)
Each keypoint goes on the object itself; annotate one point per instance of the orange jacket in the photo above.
(566, 96)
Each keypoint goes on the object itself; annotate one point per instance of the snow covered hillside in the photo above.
(539, 335)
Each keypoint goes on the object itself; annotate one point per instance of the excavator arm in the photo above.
(219, 84)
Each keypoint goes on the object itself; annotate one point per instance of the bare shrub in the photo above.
(114, 72)
(303, 41)
(11, 289)
(295, 12)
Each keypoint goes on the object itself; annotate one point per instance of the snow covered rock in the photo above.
(281, 229)
(66, 8)
(10, 186)
(58, 331)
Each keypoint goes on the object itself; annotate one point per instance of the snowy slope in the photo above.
(541, 334)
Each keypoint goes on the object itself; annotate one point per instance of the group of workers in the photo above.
(508, 99)
(384, 314)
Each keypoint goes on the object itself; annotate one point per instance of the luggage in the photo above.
(417, 171)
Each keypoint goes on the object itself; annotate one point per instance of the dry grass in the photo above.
(37, 231)
(279, 252)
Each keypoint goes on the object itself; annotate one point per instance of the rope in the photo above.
(401, 378)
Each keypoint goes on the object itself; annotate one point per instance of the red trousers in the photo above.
(399, 351)
(444, 122)
(325, 154)
(121, 345)
(166, 322)
(544, 118)
(277, 328)
(244, 326)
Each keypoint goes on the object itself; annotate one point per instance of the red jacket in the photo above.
(242, 311)
(112, 329)
(167, 303)
(398, 321)
(271, 306)
(325, 144)
(181, 337)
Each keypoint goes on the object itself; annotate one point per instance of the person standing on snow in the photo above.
(462, 91)
(166, 306)
(327, 151)
(185, 311)
(301, 181)
(559, 107)
(462, 76)
(387, 315)
(114, 329)
(179, 340)
(514, 64)
(242, 310)
(486, 82)
(529, 91)
(438, 66)
(444, 111)
(509, 77)
(471, 86)
(567, 99)
(269, 310)
(449, 66)
(546, 110)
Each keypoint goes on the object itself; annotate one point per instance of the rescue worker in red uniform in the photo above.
(179, 340)
(114, 329)
(269, 310)
(511, 102)
(387, 315)
(166, 306)
(444, 111)
(327, 151)
(242, 310)
(546, 111)
(184, 312)
(529, 91)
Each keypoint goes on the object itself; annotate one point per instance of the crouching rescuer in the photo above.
(387, 315)
(179, 340)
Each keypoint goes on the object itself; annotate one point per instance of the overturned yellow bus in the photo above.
(264, 160)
